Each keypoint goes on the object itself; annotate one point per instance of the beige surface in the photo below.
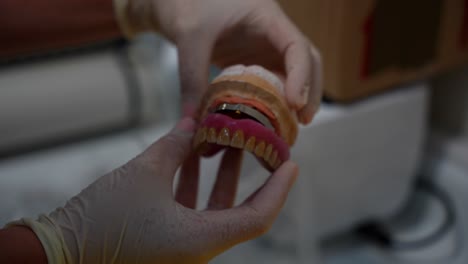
(336, 28)
(60, 98)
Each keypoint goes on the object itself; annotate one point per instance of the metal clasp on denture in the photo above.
(244, 109)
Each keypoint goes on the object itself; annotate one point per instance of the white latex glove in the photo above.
(131, 215)
(229, 32)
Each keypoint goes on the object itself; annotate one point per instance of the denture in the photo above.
(245, 108)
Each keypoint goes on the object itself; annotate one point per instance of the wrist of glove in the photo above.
(51, 238)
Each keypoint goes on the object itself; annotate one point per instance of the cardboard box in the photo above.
(372, 45)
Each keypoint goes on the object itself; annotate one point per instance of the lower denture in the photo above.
(243, 133)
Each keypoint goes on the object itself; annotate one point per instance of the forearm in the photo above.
(31, 26)
(19, 244)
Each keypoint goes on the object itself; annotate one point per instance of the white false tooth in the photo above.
(211, 137)
(200, 136)
(273, 158)
(237, 140)
(268, 151)
(260, 149)
(250, 144)
(224, 137)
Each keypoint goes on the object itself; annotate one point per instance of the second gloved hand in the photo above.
(229, 32)
(131, 215)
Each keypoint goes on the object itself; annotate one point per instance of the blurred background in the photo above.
(384, 165)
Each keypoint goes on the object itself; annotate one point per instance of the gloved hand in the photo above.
(131, 215)
(228, 32)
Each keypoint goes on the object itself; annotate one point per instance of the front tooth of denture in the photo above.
(250, 144)
(260, 149)
(200, 137)
(224, 137)
(212, 137)
(272, 159)
(268, 150)
(238, 139)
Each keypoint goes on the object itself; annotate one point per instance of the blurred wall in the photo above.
(449, 113)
